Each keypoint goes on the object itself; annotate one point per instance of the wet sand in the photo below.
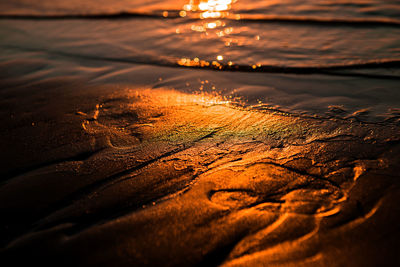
(108, 175)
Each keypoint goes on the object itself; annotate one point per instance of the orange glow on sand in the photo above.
(200, 133)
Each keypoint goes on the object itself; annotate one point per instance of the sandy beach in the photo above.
(159, 177)
(200, 133)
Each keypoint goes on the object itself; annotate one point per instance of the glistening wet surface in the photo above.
(353, 43)
(210, 133)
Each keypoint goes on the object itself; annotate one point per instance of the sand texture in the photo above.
(114, 176)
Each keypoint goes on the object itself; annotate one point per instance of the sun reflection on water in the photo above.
(209, 8)
(212, 13)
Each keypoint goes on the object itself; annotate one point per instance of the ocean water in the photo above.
(318, 58)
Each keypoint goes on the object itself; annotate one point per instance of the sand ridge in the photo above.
(161, 177)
